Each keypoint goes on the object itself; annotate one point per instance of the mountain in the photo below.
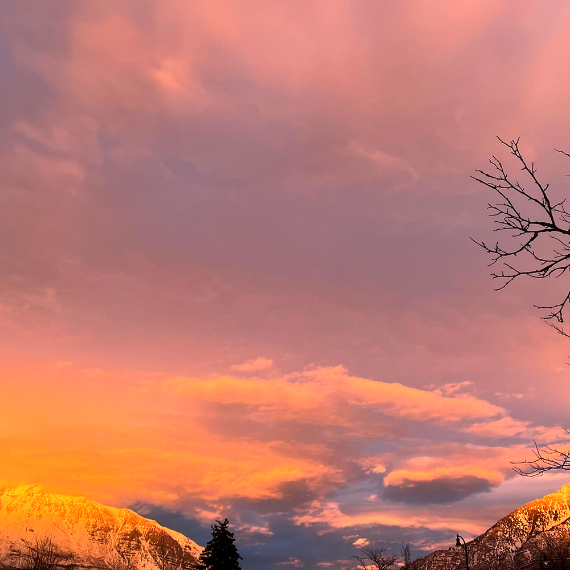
(516, 541)
(94, 536)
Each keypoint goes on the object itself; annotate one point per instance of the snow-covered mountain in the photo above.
(94, 535)
(516, 541)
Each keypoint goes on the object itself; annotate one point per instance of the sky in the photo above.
(236, 274)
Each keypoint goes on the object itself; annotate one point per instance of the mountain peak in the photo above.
(94, 535)
(34, 488)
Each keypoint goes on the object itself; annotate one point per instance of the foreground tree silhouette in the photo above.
(536, 245)
(220, 552)
(406, 554)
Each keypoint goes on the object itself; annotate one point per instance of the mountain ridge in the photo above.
(516, 540)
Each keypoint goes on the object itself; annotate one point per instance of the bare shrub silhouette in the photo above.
(376, 559)
(41, 553)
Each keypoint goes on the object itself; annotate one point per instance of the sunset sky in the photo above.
(236, 277)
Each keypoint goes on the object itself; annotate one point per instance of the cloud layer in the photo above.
(236, 276)
(296, 442)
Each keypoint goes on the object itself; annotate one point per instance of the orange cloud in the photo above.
(325, 395)
(115, 438)
(432, 468)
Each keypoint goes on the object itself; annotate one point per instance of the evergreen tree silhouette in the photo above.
(220, 552)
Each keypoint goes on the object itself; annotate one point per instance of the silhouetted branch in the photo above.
(546, 458)
(540, 228)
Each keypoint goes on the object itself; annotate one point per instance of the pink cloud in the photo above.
(332, 516)
(515, 428)
(254, 365)
(294, 562)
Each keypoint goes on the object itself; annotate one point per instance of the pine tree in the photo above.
(220, 552)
